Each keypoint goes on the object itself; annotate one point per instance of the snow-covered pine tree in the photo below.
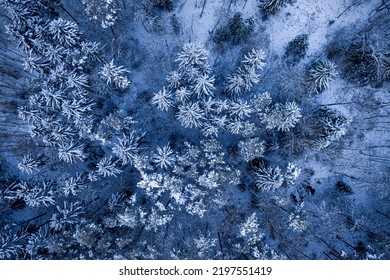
(67, 216)
(163, 99)
(190, 114)
(268, 177)
(35, 195)
(64, 32)
(111, 73)
(235, 84)
(270, 7)
(30, 164)
(255, 59)
(164, 157)
(240, 108)
(128, 147)
(193, 59)
(70, 152)
(174, 79)
(204, 85)
(74, 184)
(107, 167)
(106, 12)
(321, 74)
(282, 116)
(292, 173)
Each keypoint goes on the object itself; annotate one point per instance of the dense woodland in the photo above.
(194, 129)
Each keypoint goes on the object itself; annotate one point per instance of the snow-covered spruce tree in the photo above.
(35, 195)
(235, 84)
(174, 79)
(182, 95)
(11, 244)
(249, 76)
(30, 164)
(67, 216)
(321, 74)
(292, 173)
(107, 167)
(329, 125)
(240, 108)
(244, 79)
(70, 152)
(235, 31)
(164, 157)
(106, 12)
(64, 32)
(204, 85)
(74, 184)
(128, 147)
(255, 59)
(163, 99)
(282, 116)
(205, 246)
(161, 4)
(271, 7)
(250, 230)
(296, 219)
(115, 74)
(251, 148)
(261, 102)
(190, 114)
(193, 60)
(268, 177)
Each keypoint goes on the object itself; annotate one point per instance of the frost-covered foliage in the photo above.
(115, 74)
(331, 125)
(128, 147)
(106, 12)
(190, 114)
(270, 7)
(70, 152)
(251, 148)
(30, 164)
(164, 156)
(244, 79)
(250, 228)
(296, 219)
(268, 177)
(107, 167)
(204, 85)
(292, 173)
(75, 184)
(67, 216)
(255, 59)
(193, 59)
(282, 116)
(321, 74)
(11, 244)
(204, 245)
(41, 193)
(162, 99)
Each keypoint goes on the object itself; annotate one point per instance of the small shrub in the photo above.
(343, 187)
